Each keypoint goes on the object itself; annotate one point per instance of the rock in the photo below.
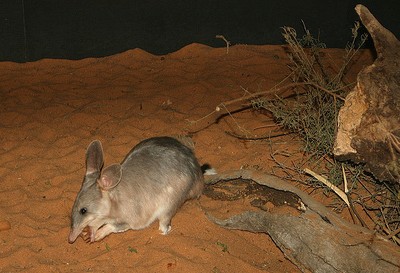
(368, 123)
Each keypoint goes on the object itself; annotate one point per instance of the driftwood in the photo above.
(368, 123)
(317, 240)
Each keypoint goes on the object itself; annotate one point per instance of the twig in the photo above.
(338, 191)
(241, 128)
(226, 42)
(256, 138)
(392, 234)
(353, 212)
(386, 228)
(276, 90)
(257, 94)
(248, 97)
(330, 92)
(346, 189)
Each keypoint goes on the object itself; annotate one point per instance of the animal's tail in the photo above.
(208, 170)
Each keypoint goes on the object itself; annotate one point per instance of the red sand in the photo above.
(52, 109)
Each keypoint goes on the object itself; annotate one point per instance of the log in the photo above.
(368, 123)
(317, 239)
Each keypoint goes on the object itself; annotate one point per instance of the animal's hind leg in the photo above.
(196, 190)
(165, 223)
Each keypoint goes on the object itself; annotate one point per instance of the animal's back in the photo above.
(162, 157)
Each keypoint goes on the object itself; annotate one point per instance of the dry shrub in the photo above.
(312, 112)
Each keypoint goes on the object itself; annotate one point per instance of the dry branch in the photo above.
(317, 240)
(212, 117)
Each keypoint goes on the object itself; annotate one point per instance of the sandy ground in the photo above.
(52, 109)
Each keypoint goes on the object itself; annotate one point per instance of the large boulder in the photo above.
(368, 123)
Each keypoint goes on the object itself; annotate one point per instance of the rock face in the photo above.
(368, 123)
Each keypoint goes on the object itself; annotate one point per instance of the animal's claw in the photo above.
(86, 234)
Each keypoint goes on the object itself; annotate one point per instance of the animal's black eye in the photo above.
(83, 211)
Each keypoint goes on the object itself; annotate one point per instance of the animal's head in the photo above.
(92, 204)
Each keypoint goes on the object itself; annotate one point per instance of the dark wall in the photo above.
(32, 29)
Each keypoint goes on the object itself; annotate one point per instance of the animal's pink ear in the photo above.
(110, 177)
(94, 157)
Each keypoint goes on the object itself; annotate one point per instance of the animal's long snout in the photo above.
(73, 235)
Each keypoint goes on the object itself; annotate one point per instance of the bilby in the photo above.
(156, 177)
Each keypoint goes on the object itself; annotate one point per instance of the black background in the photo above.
(35, 29)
